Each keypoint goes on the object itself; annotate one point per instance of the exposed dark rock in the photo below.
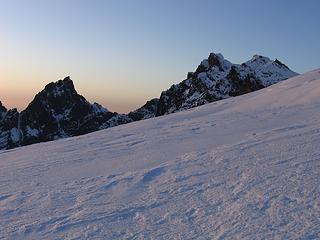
(3, 111)
(9, 133)
(241, 86)
(146, 111)
(215, 60)
(116, 120)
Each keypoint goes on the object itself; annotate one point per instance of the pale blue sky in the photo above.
(122, 53)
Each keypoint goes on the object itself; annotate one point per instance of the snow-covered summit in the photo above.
(257, 61)
(216, 78)
(241, 168)
(269, 72)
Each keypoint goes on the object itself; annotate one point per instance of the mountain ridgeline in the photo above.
(59, 111)
(56, 112)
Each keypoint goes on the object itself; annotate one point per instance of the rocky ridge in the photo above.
(59, 111)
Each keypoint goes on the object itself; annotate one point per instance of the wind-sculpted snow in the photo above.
(241, 168)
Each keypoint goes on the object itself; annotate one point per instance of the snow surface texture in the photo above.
(241, 168)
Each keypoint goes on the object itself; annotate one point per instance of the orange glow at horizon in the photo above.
(18, 93)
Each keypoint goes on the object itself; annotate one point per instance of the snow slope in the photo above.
(242, 168)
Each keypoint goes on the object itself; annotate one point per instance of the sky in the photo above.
(122, 53)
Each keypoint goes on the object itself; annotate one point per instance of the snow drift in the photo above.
(242, 168)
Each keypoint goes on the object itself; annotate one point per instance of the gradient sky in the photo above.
(121, 53)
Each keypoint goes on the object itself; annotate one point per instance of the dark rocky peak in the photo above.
(59, 98)
(60, 101)
(59, 111)
(60, 87)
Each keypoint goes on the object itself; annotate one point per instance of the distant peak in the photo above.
(61, 86)
(257, 61)
(66, 82)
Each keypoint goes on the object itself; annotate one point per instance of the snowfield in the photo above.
(242, 168)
